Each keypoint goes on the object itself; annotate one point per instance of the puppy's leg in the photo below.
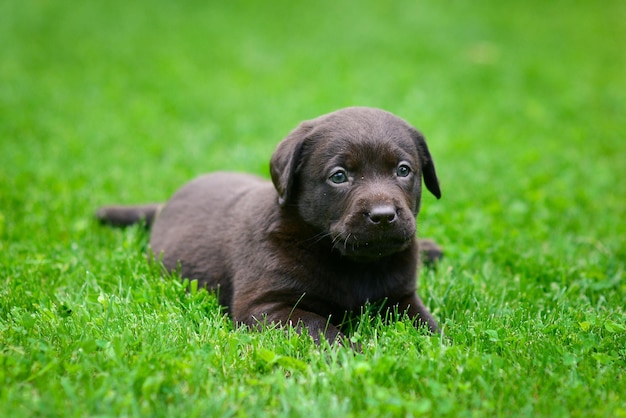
(429, 251)
(128, 215)
(317, 326)
(417, 311)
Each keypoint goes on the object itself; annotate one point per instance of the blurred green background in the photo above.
(522, 104)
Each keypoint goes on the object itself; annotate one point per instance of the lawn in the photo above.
(523, 105)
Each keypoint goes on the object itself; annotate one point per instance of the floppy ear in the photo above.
(428, 166)
(286, 160)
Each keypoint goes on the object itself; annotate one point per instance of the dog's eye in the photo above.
(403, 170)
(339, 177)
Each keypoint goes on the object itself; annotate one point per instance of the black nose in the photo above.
(382, 215)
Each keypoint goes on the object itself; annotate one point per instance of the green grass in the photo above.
(523, 105)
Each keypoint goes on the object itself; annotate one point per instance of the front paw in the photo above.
(429, 252)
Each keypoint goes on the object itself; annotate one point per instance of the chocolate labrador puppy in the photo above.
(333, 231)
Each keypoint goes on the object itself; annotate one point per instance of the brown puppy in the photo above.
(335, 230)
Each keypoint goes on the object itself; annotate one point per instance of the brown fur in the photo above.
(335, 230)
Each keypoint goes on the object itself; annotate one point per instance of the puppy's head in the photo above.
(356, 175)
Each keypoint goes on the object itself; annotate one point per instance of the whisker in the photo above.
(336, 241)
(345, 242)
(317, 237)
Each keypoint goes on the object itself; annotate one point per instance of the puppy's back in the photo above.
(196, 226)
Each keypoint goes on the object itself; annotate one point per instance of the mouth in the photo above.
(369, 250)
